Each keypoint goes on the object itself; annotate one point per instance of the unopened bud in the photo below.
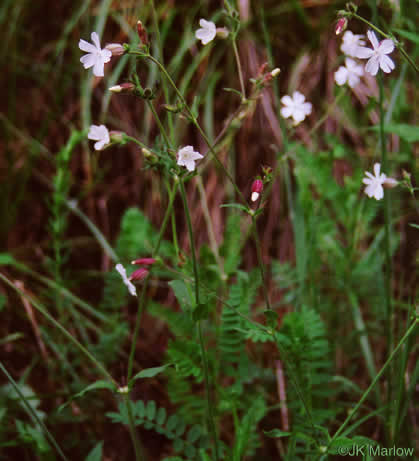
(144, 261)
(222, 32)
(139, 274)
(389, 183)
(341, 25)
(122, 88)
(115, 48)
(142, 33)
(123, 390)
(257, 188)
(275, 72)
(117, 136)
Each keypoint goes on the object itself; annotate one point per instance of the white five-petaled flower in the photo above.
(100, 134)
(207, 32)
(375, 183)
(131, 288)
(187, 156)
(350, 73)
(377, 56)
(96, 57)
(295, 107)
(350, 43)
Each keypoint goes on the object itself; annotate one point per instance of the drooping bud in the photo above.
(341, 25)
(122, 88)
(222, 32)
(275, 72)
(257, 188)
(389, 183)
(144, 261)
(115, 48)
(117, 136)
(142, 33)
(139, 274)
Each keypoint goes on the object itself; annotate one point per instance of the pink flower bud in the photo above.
(122, 88)
(142, 33)
(341, 25)
(115, 48)
(139, 274)
(389, 183)
(257, 188)
(144, 261)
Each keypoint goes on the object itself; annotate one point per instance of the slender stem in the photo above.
(211, 418)
(239, 68)
(260, 261)
(397, 43)
(33, 413)
(159, 123)
(387, 249)
(194, 120)
(139, 456)
(374, 381)
(70, 337)
(330, 108)
(141, 304)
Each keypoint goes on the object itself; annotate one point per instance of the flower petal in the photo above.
(98, 68)
(287, 101)
(307, 108)
(373, 39)
(95, 40)
(88, 60)
(298, 97)
(386, 46)
(86, 46)
(341, 75)
(377, 167)
(287, 112)
(363, 53)
(386, 64)
(372, 65)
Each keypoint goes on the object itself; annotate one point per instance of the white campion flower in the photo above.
(100, 134)
(295, 107)
(187, 156)
(207, 32)
(350, 43)
(375, 183)
(123, 273)
(349, 73)
(96, 57)
(377, 56)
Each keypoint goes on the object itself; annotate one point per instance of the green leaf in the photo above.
(161, 416)
(149, 372)
(172, 422)
(414, 225)
(194, 433)
(96, 453)
(6, 259)
(409, 35)
(276, 433)
(409, 133)
(101, 384)
(271, 318)
(235, 205)
(232, 90)
(182, 294)
(339, 443)
(151, 410)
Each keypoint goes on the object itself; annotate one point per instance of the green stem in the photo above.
(159, 123)
(141, 304)
(239, 68)
(260, 261)
(70, 337)
(211, 418)
(135, 440)
(33, 413)
(374, 382)
(193, 119)
(396, 42)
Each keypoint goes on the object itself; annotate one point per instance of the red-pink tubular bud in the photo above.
(144, 261)
(139, 274)
(142, 33)
(257, 188)
(115, 48)
(341, 25)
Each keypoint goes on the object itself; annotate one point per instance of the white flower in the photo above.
(96, 56)
(349, 73)
(295, 107)
(351, 43)
(100, 134)
(375, 183)
(207, 31)
(187, 156)
(377, 55)
(131, 288)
